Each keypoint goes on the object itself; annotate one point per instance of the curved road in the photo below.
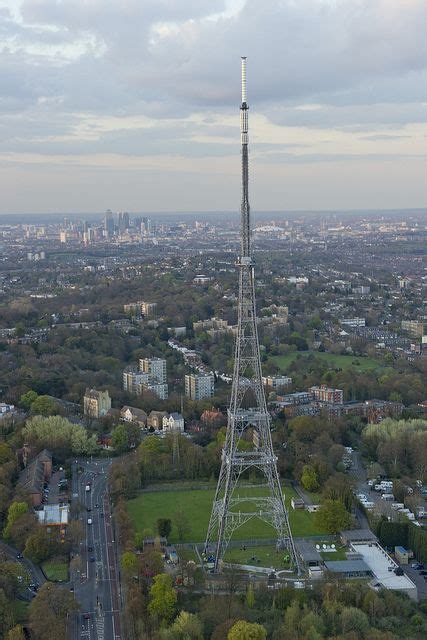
(35, 572)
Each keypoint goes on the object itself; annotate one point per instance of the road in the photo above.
(36, 574)
(96, 581)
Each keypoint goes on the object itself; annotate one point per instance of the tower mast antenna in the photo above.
(247, 412)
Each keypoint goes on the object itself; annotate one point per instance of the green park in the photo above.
(190, 509)
(335, 361)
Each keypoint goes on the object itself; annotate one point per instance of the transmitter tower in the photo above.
(248, 418)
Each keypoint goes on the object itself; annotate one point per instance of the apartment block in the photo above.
(199, 386)
(323, 393)
(276, 382)
(155, 367)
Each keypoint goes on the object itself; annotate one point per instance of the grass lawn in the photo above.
(197, 504)
(336, 361)
(267, 556)
(56, 569)
(338, 554)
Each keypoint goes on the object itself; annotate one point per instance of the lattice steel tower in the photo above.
(248, 417)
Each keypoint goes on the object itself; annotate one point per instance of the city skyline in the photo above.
(129, 107)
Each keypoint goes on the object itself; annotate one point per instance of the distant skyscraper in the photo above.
(109, 223)
(123, 221)
(146, 226)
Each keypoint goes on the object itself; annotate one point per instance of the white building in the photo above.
(155, 367)
(275, 382)
(353, 322)
(198, 386)
(6, 408)
(173, 422)
(160, 390)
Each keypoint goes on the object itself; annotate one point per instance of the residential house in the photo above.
(155, 419)
(33, 477)
(96, 404)
(133, 414)
(173, 422)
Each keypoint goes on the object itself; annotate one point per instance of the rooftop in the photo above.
(347, 566)
(383, 567)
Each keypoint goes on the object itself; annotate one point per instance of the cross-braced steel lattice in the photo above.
(248, 417)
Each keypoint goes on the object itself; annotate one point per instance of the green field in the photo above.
(335, 361)
(262, 556)
(196, 504)
(338, 554)
(56, 569)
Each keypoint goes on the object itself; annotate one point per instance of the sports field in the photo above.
(336, 361)
(197, 504)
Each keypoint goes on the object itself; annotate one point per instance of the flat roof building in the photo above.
(199, 386)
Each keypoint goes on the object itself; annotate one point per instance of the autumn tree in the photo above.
(40, 546)
(162, 598)
(333, 517)
(16, 633)
(187, 626)
(309, 479)
(49, 612)
(16, 510)
(243, 630)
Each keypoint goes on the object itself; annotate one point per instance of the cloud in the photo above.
(141, 78)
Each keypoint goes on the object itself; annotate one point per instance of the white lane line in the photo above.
(108, 566)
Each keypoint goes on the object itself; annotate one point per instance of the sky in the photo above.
(134, 104)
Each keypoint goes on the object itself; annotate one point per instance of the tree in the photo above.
(16, 510)
(59, 435)
(182, 525)
(243, 630)
(353, 619)
(162, 597)
(333, 517)
(43, 406)
(164, 527)
(17, 633)
(6, 453)
(250, 596)
(75, 532)
(129, 562)
(49, 612)
(38, 546)
(6, 614)
(339, 487)
(27, 399)
(187, 626)
(309, 479)
(119, 439)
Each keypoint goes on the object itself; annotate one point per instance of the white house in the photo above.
(173, 422)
